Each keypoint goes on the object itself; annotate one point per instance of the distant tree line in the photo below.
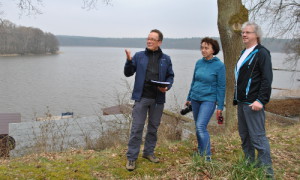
(275, 45)
(25, 40)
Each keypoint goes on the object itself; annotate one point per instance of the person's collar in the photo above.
(155, 51)
(253, 46)
(211, 60)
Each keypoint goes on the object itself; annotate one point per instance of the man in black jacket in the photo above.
(253, 74)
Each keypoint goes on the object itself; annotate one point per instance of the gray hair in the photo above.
(257, 29)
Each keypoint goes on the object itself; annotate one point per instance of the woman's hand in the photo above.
(187, 103)
(218, 114)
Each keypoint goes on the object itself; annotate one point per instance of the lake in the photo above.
(85, 79)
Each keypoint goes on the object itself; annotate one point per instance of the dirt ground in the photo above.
(286, 103)
(284, 107)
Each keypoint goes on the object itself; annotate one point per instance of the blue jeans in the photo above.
(202, 111)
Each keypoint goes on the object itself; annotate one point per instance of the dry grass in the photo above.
(177, 159)
(106, 158)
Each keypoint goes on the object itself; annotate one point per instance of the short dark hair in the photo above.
(160, 35)
(214, 44)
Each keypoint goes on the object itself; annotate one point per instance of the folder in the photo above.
(160, 83)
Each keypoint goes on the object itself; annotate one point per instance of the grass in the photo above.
(178, 160)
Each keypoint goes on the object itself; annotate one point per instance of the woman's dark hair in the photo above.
(160, 35)
(214, 44)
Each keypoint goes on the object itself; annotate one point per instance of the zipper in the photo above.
(159, 64)
(235, 90)
(153, 61)
(251, 55)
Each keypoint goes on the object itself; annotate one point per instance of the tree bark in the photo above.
(231, 15)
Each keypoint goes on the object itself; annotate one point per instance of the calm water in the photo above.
(85, 79)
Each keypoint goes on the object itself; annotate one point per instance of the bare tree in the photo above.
(231, 15)
(92, 4)
(51, 43)
(293, 50)
(25, 40)
(30, 7)
(1, 12)
(6, 37)
(281, 18)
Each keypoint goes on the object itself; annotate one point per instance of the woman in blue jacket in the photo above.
(207, 90)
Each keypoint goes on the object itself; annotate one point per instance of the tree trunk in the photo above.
(231, 15)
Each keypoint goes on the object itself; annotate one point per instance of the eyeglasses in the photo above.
(246, 32)
(151, 39)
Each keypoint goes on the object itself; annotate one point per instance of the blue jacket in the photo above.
(138, 65)
(209, 82)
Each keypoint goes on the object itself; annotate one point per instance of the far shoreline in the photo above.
(30, 54)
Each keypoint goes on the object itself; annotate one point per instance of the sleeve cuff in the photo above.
(220, 108)
(259, 101)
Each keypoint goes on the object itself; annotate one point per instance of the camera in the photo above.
(186, 110)
(235, 102)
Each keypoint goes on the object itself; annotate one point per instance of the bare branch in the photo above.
(293, 50)
(280, 16)
(92, 4)
(1, 11)
(30, 7)
(255, 8)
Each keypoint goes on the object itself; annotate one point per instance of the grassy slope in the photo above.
(177, 161)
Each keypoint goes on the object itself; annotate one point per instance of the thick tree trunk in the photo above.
(231, 15)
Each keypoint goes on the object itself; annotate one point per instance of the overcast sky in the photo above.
(125, 18)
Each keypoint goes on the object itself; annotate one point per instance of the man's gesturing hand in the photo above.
(128, 54)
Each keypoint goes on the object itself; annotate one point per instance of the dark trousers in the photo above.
(139, 115)
(252, 131)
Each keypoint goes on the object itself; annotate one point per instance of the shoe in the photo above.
(207, 158)
(130, 165)
(270, 176)
(151, 158)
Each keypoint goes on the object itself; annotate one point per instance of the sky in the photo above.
(124, 18)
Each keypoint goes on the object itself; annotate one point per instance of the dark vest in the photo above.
(152, 73)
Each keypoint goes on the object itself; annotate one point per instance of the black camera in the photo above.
(186, 110)
(235, 102)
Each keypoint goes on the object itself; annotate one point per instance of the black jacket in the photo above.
(254, 78)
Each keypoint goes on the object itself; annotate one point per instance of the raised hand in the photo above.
(128, 54)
